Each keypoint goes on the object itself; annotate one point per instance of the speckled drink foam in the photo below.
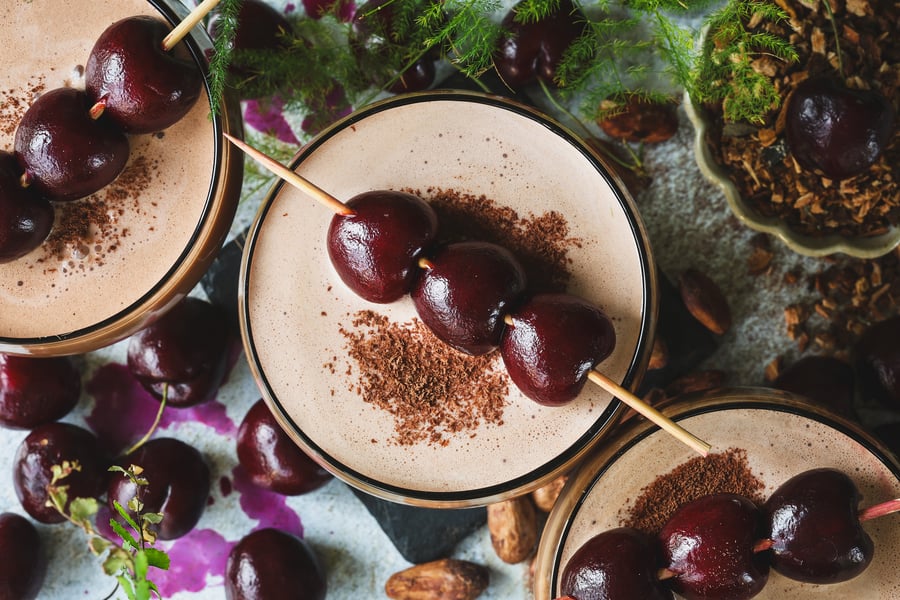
(779, 445)
(45, 42)
(296, 305)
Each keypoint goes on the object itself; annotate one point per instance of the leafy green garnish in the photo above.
(130, 561)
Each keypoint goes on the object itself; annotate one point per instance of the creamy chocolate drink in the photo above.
(313, 344)
(780, 437)
(132, 249)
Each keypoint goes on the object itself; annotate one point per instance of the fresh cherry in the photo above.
(815, 529)
(24, 562)
(178, 484)
(269, 564)
(551, 343)
(272, 459)
(50, 445)
(708, 545)
(34, 391)
(825, 380)
(26, 217)
(185, 349)
(532, 51)
(835, 129)
(143, 87)
(618, 564)
(464, 291)
(374, 250)
(877, 361)
(65, 149)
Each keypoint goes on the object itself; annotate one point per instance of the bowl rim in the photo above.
(583, 480)
(549, 470)
(807, 245)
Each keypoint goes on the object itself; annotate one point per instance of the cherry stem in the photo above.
(96, 111)
(837, 37)
(292, 178)
(425, 263)
(162, 406)
(880, 510)
(25, 179)
(188, 23)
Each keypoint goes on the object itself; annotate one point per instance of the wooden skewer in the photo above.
(664, 422)
(293, 178)
(603, 381)
(182, 29)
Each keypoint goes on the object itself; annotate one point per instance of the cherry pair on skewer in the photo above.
(378, 252)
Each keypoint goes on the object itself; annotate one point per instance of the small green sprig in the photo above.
(725, 74)
(130, 561)
(226, 28)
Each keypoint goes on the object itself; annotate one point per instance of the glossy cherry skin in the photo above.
(144, 87)
(272, 459)
(24, 562)
(270, 564)
(877, 362)
(553, 342)
(186, 349)
(374, 251)
(26, 217)
(617, 564)
(178, 484)
(65, 152)
(825, 380)
(34, 391)
(532, 51)
(835, 129)
(49, 445)
(708, 544)
(464, 294)
(815, 530)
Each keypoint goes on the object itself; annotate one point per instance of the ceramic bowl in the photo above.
(783, 435)
(296, 312)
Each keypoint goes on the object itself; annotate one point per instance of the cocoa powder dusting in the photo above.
(717, 473)
(540, 242)
(431, 390)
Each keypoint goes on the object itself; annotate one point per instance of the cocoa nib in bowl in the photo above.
(765, 183)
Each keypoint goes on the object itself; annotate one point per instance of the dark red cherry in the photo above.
(374, 250)
(270, 564)
(709, 546)
(49, 445)
(272, 459)
(26, 217)
(554, 340)
(64, 150)
(618, 564)
(34, 391)
(835, 129)
(186, 349)
(825, 380)
(260, 27)
(465, 292)
(877, 362)
(815, 531)
(178, 484)
(532, 51)
(24, 562)
(144, 87)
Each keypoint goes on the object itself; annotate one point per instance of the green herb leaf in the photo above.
(127, 539)
(117, 562)
(157, 558)
(83, 509)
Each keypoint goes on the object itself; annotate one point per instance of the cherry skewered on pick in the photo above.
(26, 217)
(66, 148)
(143, 86)
(463, 291)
